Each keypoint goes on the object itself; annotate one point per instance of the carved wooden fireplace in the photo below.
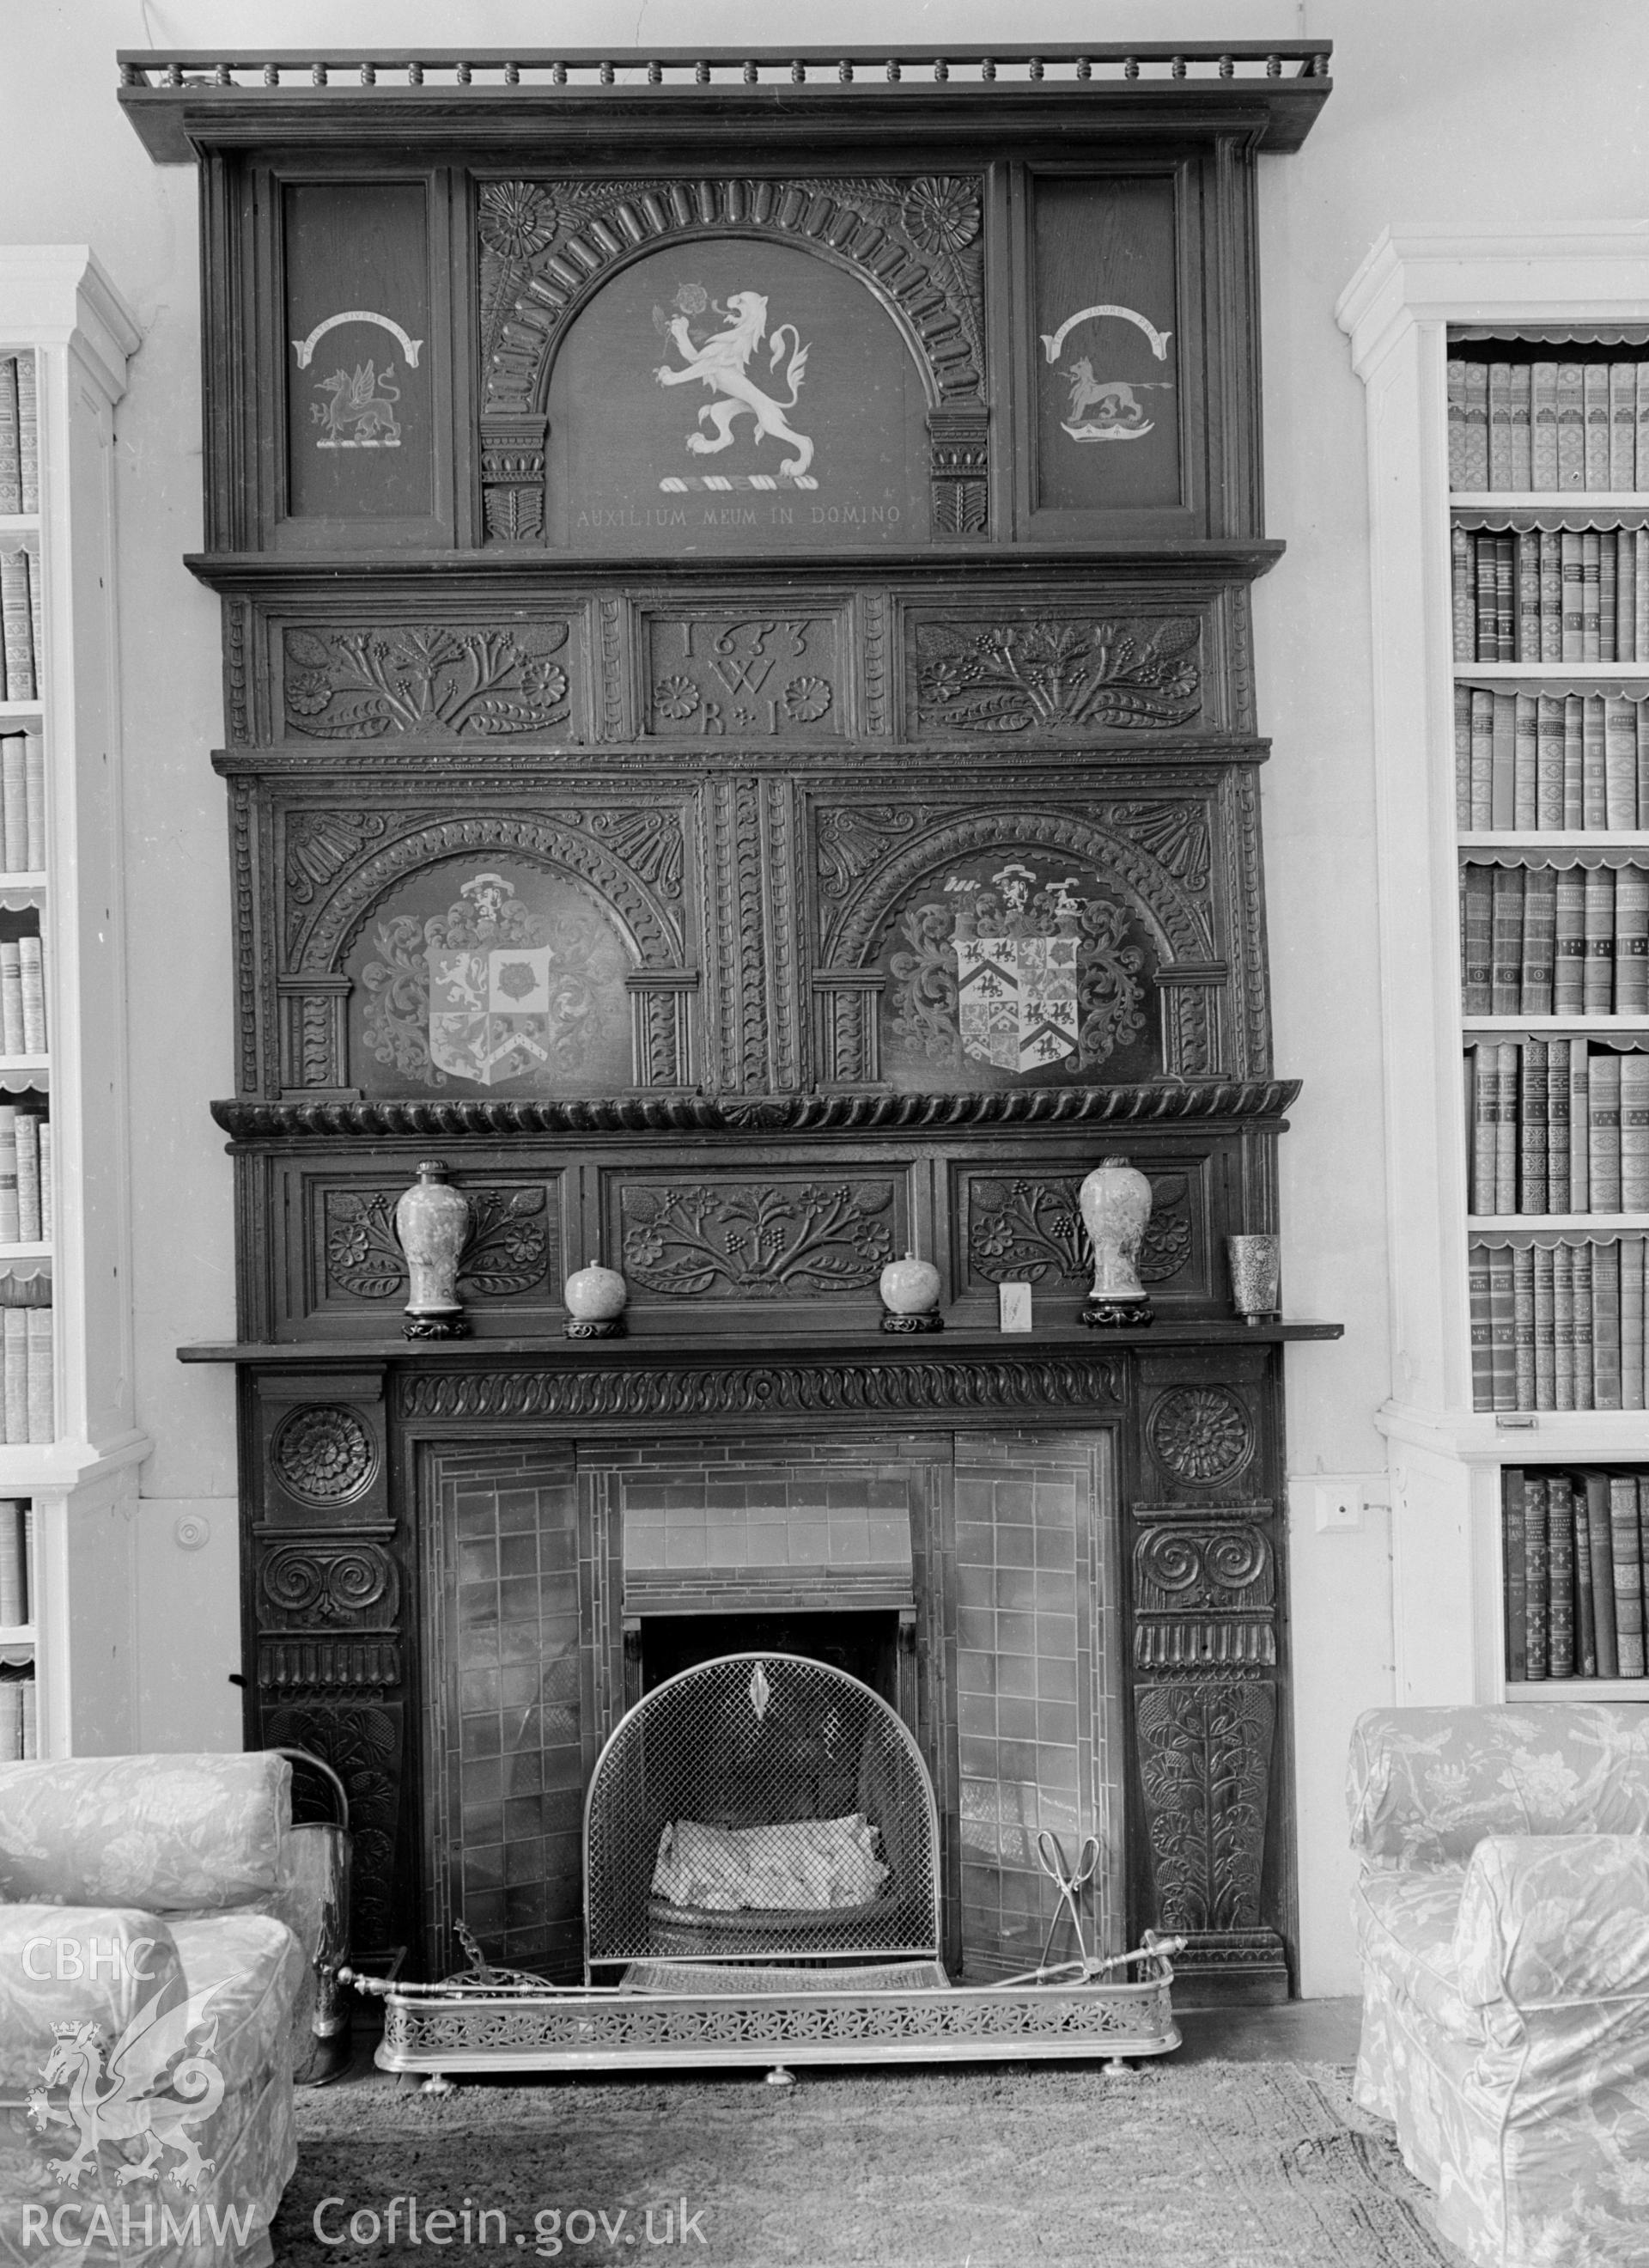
(741, 742)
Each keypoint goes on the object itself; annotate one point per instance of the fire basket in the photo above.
(759, 1807)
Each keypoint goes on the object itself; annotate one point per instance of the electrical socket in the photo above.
(1339, 1503)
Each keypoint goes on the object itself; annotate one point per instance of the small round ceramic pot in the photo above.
(596, 1298)
(910, 1295)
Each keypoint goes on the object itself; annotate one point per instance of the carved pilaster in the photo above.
(513, 478)
(960, 463)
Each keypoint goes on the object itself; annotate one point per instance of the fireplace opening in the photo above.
(861, 1645)
(759, 1808)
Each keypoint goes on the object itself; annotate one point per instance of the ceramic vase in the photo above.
(910, 1295)
(1115, 1203)
(433, 1222)
(596, 1298)
(1256, 1273)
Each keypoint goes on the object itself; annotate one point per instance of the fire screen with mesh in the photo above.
(759, 1807)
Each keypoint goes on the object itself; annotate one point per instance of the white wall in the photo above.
(1478, 112)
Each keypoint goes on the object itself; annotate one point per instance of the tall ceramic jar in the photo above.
(1115, 1202)
(432, 1221)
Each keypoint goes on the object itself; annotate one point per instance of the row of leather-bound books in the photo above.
(1574, 1545)
(1578, 423)
(1558, 1324)
(1577, 595)
(1555, 763)
(1554, 940)
(1555, 1126)
(20, 435)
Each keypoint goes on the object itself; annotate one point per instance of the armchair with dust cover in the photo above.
(1502, 1910)
(157, 1939)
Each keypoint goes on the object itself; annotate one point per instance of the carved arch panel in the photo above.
(1074, 957)
(538, 953)
(547, 247)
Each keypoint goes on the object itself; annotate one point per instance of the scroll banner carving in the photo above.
(1205, 1767)
(546, 247)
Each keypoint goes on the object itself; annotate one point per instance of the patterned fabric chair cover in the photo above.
(1502, 1917)
(131, 1887)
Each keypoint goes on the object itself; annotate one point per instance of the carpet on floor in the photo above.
(1205, 2165)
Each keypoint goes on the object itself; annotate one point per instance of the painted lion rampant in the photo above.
(720, 364)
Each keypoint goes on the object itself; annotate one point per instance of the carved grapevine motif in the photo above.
(1030, 1231)
(508, 1251)
(1200, 1433)
(358, 685)
(324, 1455)
(1205, 1767)
(757, 1241)
(1017, 677)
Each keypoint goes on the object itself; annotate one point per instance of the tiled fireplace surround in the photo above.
(989, 1559)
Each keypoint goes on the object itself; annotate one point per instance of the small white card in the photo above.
(1016, 1307)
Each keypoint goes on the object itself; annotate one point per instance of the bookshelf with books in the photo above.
(1507, 385)
(69, 1446)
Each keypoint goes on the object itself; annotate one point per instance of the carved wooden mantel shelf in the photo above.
(956, 1350)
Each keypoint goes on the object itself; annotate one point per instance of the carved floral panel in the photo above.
(1063, 673)
(1205, 1770)
(1025, 1229)
(513, 1245)
(720, 676)
(438, 680)
(793, 1238)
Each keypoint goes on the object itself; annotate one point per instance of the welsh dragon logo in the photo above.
(721, 362)
(131, 2105)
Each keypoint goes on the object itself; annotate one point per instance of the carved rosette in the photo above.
(323, 1455)
(1200, 1436)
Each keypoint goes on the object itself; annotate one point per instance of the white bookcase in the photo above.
(1445, 1456)
(57, 305)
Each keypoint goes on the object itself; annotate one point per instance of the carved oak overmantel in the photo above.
(741, 737)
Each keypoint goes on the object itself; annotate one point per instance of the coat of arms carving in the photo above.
(491, 990)
(1022, 969)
